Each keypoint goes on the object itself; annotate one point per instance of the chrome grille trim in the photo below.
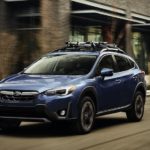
(7, 92)
(21, 92)
(16, 96)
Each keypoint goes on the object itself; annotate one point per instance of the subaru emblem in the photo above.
(17, 93)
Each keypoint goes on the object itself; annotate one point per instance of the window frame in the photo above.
(98, 64)
(129, 62)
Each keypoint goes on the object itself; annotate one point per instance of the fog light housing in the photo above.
(62, 112)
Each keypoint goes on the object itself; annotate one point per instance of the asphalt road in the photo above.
(110, 132)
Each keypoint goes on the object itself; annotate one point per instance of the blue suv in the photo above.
(76, 83)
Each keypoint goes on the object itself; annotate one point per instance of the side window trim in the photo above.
(130, 61)
(115, 63)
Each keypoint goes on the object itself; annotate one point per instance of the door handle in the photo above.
(118, 81)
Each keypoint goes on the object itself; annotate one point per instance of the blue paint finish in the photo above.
(111, 92)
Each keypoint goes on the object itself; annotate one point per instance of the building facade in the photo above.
(30, 28)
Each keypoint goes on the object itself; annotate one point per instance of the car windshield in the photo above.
(62, 65)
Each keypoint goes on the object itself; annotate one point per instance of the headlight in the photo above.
(60, 91)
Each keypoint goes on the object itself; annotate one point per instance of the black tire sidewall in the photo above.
(137, 94)
(79, 124)
(131, 114)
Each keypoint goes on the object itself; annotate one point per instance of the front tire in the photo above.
(137, 110)
(86, 116)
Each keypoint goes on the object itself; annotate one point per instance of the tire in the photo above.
(86, 115)
(135, 113)
(9, 124)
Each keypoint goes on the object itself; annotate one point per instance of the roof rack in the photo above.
(117, 50)
(87, 44)
(90, 46)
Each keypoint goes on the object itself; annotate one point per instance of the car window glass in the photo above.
(122, 63)
(63, 65)
(107, 62)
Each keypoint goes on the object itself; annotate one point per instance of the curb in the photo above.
(148, 93)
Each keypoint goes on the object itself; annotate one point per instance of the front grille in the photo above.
(17, 96)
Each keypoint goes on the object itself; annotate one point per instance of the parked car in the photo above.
(76, 83)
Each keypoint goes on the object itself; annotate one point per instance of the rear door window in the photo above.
(123, 63)
(107, 62)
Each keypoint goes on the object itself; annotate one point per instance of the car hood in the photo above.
(38, 83)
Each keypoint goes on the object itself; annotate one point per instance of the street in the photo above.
(110, 132)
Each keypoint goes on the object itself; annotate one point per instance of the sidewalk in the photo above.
(148, 93)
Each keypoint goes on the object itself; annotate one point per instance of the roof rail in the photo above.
(90, 44)
(94, 46)
(117, 50)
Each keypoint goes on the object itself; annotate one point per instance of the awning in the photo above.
(14, 0)
(140, 17)
(86, 12)
(101, 17)
(141, 27)
(87, 3)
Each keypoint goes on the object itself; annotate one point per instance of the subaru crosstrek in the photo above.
(76, 83)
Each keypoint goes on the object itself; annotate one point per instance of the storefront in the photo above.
(98, 22)
(34, 27)
(141, 45)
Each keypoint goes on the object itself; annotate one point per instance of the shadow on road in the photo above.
(108, 122)
(39, 130)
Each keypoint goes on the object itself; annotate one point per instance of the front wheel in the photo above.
(137, 110)
(86, 116)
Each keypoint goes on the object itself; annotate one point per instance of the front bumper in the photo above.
(42, 109)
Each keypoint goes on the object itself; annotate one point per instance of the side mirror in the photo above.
(106, 72)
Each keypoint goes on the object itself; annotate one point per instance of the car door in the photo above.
(126, 77)
(109, 87)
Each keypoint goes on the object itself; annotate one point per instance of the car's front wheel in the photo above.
(135, 113)
(86, 116)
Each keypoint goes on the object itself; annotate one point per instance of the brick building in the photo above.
(30, 28)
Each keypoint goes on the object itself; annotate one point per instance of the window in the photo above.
(123, 63)
(26, 14)
(89, 33)
(63, 65)
(107, 62)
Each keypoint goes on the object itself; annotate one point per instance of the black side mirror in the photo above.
(106, 72)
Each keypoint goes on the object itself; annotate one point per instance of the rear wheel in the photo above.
(137, 110)
(86, 116)
(9, 124)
